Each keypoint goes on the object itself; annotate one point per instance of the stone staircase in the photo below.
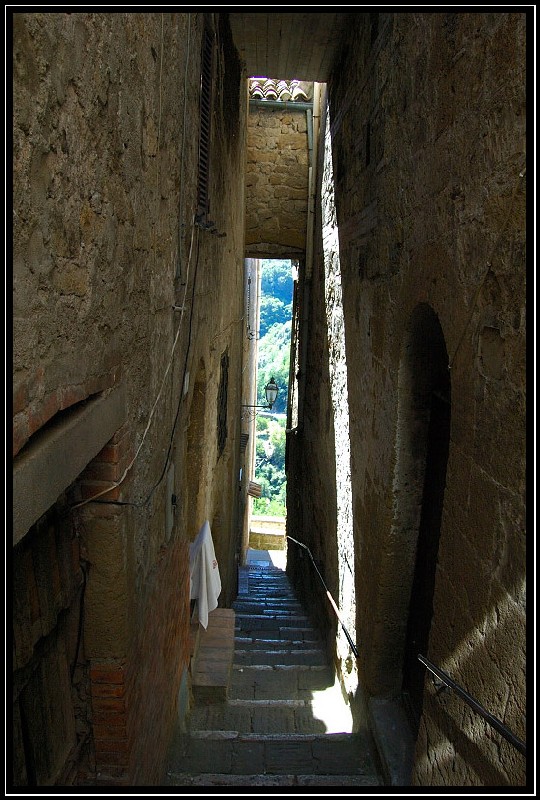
(284, 721)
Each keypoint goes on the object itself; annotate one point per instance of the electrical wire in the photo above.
(188, 349)
(95, 497)
(80, 623)
(115, 484)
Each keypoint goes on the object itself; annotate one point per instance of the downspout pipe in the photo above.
(313, 117)
(311, 194)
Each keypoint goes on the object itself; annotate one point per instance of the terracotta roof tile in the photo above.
(284, 91)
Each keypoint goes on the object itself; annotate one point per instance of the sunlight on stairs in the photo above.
(284, 720)
(329, 706)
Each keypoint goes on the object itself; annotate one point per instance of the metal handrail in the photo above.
(475, 705)
(446, 679)
(332, 602)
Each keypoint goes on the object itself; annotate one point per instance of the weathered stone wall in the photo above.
(267, 533)
(427, 124)
(276, 182)
(105, 245)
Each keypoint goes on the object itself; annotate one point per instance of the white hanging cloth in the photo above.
(205, 581)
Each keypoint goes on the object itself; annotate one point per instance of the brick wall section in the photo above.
(34, 406)
(134, 698)
(161, 655)
(108, 467)
(135, 702)
(110, 722)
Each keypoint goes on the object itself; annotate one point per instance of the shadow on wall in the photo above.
(444, 709)
(462, 745)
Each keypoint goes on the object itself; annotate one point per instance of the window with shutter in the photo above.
(203, 205)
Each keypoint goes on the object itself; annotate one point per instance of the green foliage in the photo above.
(277, 280)
(272, 311)
(277, 440)
(276, 293)
(269, 508)
(270, 469)
(262, 424)
(274, 357)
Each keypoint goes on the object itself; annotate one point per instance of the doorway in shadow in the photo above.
(425, 412)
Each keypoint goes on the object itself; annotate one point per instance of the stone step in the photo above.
(265, 639)
(264, 621)
(220, 779)
(265, 605)
(263, 682)
(272, 612)
(234, 753)
(258, 716)
(274, 726)
(266, 568)
(213, 660)
(273, 657)
(284, 633)
(261, 590)
(276, 593)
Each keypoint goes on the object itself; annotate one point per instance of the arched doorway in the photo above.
(423, 443)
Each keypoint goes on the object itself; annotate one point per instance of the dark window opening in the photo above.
(222, 404)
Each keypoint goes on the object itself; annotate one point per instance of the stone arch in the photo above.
(422, 442)
(195, 456)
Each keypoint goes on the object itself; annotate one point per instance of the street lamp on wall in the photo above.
(271, 391)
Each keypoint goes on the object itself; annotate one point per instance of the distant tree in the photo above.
(272, 311)
(262, 424)
(277, 439)
(277, 279)
(274, 358)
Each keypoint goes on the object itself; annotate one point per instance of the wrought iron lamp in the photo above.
(271, 391)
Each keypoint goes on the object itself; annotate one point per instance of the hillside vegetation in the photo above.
(274, 357)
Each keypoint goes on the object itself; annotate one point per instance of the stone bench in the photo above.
(213, 655)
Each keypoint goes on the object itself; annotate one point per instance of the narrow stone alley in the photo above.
(284, 721)
(159, 158)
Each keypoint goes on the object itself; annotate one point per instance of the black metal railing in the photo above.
(439, 673)
(475, 705)
(331, 599)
